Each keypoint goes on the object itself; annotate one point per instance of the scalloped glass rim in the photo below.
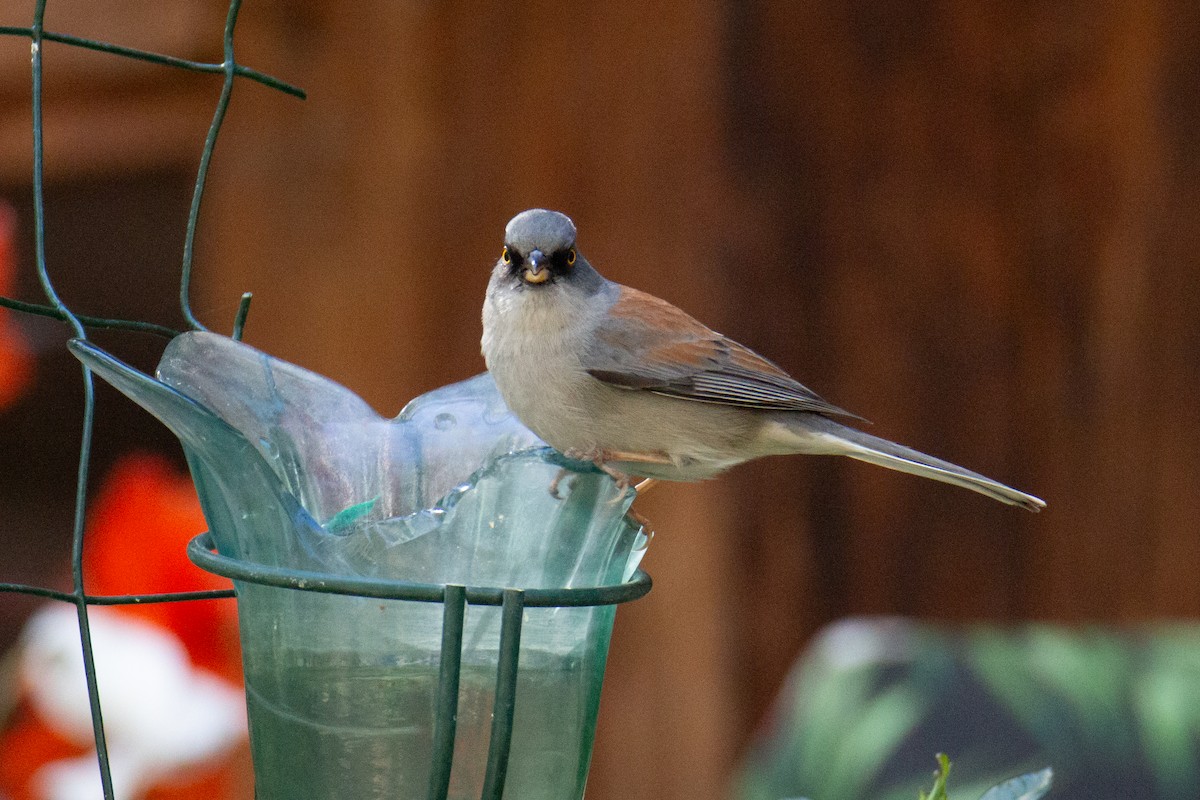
(291, 459)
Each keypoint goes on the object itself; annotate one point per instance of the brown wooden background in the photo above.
(975, 224)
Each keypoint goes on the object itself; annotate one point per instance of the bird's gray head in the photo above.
(539, 250)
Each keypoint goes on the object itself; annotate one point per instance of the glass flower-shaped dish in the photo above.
(296, 472)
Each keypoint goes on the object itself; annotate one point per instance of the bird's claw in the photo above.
(623, 480)
(562, 473)
(600, 458)
(593, 455)
(644, 523)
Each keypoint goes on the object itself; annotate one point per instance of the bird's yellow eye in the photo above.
(506, 256)
(571, 257)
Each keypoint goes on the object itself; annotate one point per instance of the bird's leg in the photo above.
(645, 485)
(598, 457)
(623, 483)
(622, 479)
(595, 456)
(636, 458)
(562, 473)
(601, 457)
(645, 524)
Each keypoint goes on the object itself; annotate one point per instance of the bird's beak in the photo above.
(535, 270)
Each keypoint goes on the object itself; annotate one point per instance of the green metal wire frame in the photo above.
(56, 308)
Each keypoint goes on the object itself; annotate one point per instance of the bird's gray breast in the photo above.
(536, 343)
(533, 342)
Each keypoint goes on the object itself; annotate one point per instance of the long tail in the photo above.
(843, 440)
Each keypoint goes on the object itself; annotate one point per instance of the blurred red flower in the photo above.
(138, 530)
(140, 522)
(16, 358)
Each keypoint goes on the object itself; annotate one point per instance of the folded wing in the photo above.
(650, 345)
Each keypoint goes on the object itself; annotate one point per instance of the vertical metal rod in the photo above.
(506, 694)
(89, 403)
(210, 144)
(446, 722)
(239, 321)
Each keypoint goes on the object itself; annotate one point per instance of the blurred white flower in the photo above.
(161, 714)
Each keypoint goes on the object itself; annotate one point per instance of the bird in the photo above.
(608, 374)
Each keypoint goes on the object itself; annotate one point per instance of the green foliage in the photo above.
(1117, 712)
(1031, 786)
(939, 782)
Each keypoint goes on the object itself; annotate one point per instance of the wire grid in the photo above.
(56, 308)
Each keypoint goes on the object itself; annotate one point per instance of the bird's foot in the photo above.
(562, 473)
(593, 454)
(646, 526)
(639, 488)
(601, 457)
(623, 480)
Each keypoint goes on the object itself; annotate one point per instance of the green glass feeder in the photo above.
(420, 617)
